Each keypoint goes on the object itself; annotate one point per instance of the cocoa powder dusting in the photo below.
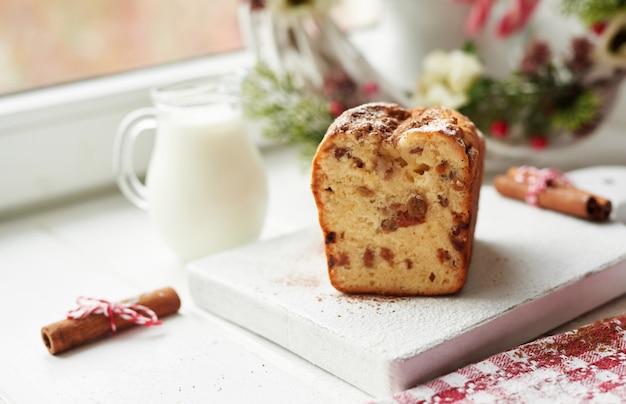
(358, 121)
(605, 336)
(377, 299)
(589, 338)
(302, 281)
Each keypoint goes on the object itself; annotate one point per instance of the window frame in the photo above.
(56, 143)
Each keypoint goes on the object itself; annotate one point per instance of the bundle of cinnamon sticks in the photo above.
(557, 194)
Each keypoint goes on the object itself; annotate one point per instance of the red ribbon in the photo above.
(136, 313)
(537, 180)
(515, 17)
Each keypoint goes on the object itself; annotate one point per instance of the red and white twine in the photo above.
(538, 180)
(135, 313)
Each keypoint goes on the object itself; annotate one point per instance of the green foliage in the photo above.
(592, 11)
(288, 114)
(470, 47)
(576, 112)
(538, 104)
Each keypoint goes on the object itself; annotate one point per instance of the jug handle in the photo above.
(127, 133)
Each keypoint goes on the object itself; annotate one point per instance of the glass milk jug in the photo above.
(206, 188)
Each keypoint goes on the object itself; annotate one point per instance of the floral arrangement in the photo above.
(543, 101)
(549, 99)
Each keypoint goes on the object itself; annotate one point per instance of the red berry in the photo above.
(336, 108)
(499, 129)
(598, 27)
(538, 142)
(370, 88)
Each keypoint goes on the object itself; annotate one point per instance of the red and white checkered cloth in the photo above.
(586, 365)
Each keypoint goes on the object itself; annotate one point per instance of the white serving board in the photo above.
(532, 270)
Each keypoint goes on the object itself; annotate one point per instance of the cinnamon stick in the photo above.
(558, 195)
(70, 333)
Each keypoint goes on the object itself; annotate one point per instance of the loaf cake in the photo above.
(397, 195)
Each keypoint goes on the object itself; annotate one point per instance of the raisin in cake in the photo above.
(397, 195)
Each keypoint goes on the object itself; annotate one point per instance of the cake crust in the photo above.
(397, 195)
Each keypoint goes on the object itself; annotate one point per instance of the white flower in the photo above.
(463, 70)
(436, 66)
(446, 77)
(300, 8)
(440, 94)
(611, 49)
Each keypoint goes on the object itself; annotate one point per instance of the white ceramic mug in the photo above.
(206, 187)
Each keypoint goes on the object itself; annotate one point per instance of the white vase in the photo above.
(316, 53)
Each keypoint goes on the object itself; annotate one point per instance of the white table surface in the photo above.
(104, 247)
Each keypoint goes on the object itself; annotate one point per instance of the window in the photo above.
(49, 42)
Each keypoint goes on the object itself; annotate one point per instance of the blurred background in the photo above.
(70, 71)
(51, 42)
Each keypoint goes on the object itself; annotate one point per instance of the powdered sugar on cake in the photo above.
(436, 126)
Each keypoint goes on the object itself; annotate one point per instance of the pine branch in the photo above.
(592, 11)
(289, 114)
(577, 112)
(536, 105)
